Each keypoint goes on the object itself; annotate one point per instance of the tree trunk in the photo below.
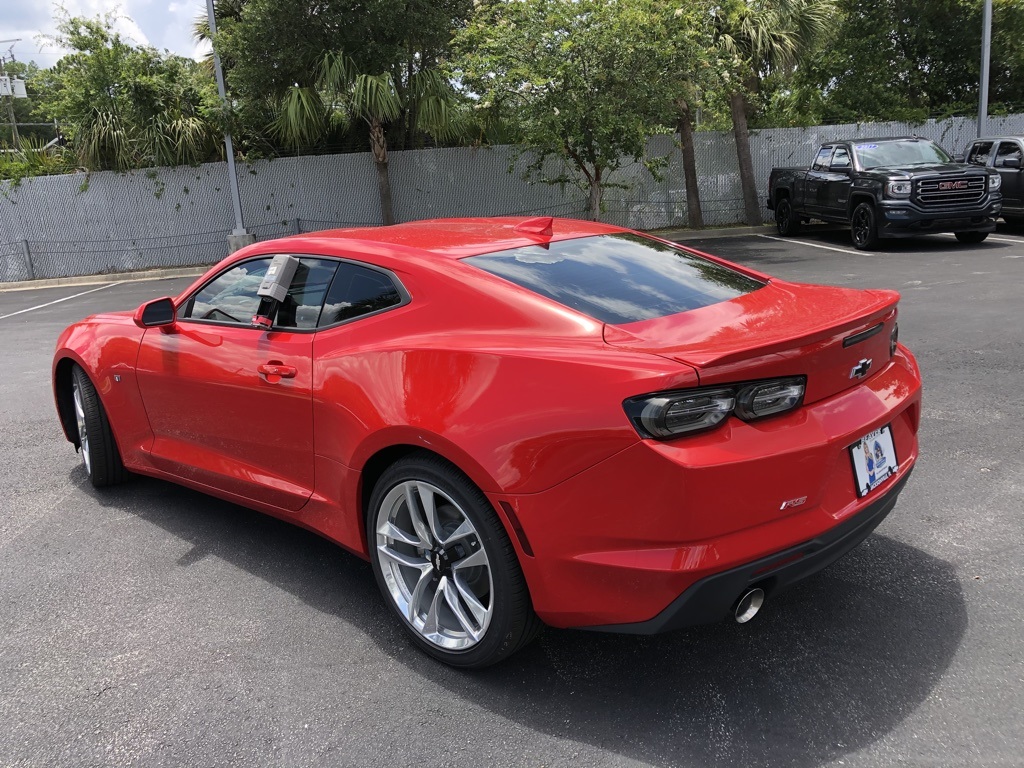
(594, 204)
(752, 210)
(694, 215)
(379, 145)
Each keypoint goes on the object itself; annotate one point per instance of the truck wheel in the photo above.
(864, 227)
(786, 221)
(1014, 221)
(971, 237)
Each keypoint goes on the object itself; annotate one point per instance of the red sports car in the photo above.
(515, 420)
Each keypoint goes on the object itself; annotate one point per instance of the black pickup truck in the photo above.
(890, 187)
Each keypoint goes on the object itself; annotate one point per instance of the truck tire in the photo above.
(786, 221)
(1014, 221)
(971, 237)
(864, 227)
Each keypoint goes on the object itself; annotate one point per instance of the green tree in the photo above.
(586, 81)
(123, 106)
(764, 37)
(270, 47)
(343, 94)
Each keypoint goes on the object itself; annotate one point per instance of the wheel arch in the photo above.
(62, 395)
(377, 463)
(856, 199)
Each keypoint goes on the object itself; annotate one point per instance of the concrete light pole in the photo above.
(240, 237)
(986, 54)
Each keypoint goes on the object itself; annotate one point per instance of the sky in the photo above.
(160, 23)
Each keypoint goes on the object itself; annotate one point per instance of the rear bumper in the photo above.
(711, 599)
(619, 543)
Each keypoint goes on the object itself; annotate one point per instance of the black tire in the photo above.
(971, 237)
(864, 227)
(1014, 221)
(99, 451)
(786, 221)
(498, 586)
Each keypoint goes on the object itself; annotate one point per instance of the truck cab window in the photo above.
(821, 162)
(980, 153)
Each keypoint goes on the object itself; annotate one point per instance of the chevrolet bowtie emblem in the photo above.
(860, 370)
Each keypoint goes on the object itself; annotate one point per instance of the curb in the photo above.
(109, 277)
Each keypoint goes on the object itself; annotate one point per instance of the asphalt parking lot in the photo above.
(150, 625)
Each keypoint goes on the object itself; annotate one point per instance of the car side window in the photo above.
(1008, 150)
(980, 153)
(841, 159)
(358, 291)
(231, 297)
(821, 161)
(302, 306)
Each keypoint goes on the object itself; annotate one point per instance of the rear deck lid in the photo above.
(781, 329)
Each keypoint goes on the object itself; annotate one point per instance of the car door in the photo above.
(837, 184)
(1007, 162)
(816, 181)
(229, 404)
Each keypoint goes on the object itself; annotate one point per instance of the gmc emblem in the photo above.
(946, 185)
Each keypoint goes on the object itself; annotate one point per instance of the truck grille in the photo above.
(957, 191)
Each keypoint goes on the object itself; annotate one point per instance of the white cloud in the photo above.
(145, 22)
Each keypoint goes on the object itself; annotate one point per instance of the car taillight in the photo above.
(666, 415)
(768, 398)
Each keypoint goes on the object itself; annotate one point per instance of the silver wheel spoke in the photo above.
(451, 596)
(419, 592)
(426, 495)
(474, 559)
(461, 532)
(393, 532)
(478, 609)
(430, 623)
(409, 561)
(416, 515)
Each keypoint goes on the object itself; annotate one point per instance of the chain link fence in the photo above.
(83, 224)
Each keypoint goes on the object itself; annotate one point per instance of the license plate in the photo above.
(874, 460)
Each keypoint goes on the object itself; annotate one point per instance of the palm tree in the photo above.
(342, 94)
(761, 37)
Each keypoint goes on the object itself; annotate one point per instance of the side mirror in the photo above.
(960, 158)
(1011, 162)
(156, 313)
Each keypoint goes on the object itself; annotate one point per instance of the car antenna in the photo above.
(539, 225)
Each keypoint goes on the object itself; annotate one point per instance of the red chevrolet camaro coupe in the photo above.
(516, 421)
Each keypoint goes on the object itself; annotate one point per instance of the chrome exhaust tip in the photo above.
(748, 606)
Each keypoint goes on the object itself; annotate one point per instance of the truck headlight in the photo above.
(995, 181)
(898, 188)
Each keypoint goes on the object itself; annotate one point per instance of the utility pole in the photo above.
(986, 54)
(9, 98)
(240, 237)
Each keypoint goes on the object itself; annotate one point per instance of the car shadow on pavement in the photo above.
(827, 669)
(834, 237)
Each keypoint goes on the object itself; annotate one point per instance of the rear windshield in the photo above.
(619, 278)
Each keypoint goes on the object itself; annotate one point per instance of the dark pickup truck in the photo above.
(891, 187)
(1005, 154)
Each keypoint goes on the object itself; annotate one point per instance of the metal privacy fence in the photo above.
(82, 224)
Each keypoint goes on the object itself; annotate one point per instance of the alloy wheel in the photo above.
(434, 565)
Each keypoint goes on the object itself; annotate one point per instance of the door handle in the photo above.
(278, 370)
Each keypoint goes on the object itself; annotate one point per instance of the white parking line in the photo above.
(814, 245)
(57, 301)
